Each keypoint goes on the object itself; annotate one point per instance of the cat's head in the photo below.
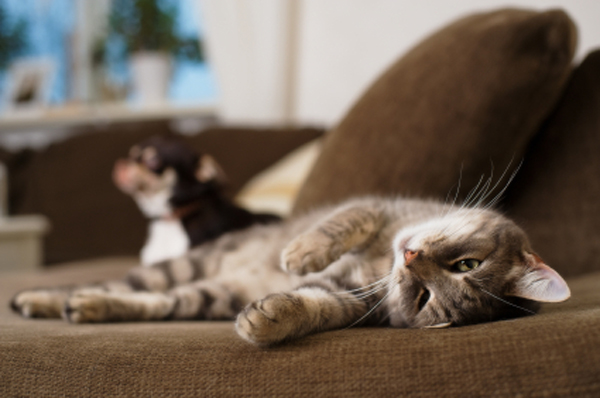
(470, 266)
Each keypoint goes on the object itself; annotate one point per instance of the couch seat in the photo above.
(555, 353)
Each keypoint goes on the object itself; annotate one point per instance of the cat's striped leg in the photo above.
(85, 307)
(201, 300)
(162, 276)
(311, 308)
(50, 302)
(348, 228)
(205, 300)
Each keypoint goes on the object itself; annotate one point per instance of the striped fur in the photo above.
(370, 261)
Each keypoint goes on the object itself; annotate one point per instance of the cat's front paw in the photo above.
(275, 318)
(309, 253)
(39, 303)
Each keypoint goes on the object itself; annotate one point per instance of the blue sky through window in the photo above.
(191, 81)
(51, 23)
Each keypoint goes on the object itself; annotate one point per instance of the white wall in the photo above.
(308, 60)
(345, 44)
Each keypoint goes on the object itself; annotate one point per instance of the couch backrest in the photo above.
(556, 196)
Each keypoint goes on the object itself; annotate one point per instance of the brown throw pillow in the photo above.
(556, 196)
(471, 94)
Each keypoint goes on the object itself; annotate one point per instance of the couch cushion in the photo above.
(70, 182)
(274, 189)
(473, 93)
(552, 354)
(556, 196)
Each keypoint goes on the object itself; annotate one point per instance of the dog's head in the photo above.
(162, 174)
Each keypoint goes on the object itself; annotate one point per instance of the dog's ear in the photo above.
(209, 170)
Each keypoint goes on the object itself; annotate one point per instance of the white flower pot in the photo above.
(151, 77)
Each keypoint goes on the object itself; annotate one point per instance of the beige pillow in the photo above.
(274, 189)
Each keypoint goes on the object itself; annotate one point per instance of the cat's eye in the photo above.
(466, 265)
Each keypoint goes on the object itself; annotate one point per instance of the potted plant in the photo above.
(146, 30)
(13, 38)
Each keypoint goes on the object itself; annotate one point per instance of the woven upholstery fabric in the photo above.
(556, 196)
(471, 94)
(553, 354)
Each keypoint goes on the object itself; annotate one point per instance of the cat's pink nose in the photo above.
(409, 255)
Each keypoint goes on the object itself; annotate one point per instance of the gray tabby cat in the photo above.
(372, 261)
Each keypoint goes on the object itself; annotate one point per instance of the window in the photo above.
(67, 33)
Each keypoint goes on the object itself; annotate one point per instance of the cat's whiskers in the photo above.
(386, 317)
(375, 291)
(479, 286)
(496, 198)
(493, 188)
(479, 208)
(485, 189)
(480, 280)
(442, 210)
(457, 230)
(450, 207)
(387, 251)
(367, 291)
(507, 302)
(460, 221)
(392, 283)
(478, 192)
(370, 310)
(484, 193)
(471, 194)
(372, 288)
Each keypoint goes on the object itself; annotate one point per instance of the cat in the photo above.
(406, 263)
(180, 192)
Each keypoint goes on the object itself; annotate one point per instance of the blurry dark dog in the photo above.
(180, 191)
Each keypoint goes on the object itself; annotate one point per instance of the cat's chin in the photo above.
(398, 321)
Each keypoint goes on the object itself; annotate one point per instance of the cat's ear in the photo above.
(209, 170)
(540, 282)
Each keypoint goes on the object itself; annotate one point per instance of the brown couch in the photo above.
(495, 86)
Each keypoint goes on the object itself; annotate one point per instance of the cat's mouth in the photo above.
(423, 299)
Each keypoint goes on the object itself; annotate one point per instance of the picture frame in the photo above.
(29, 84)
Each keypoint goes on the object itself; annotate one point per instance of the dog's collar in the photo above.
(184, 211)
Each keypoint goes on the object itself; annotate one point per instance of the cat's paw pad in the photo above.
(271, 320)
(85, 308)
(309, 253)
(38, 303)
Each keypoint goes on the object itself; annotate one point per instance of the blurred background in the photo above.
(70, 68)
(259, 61)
